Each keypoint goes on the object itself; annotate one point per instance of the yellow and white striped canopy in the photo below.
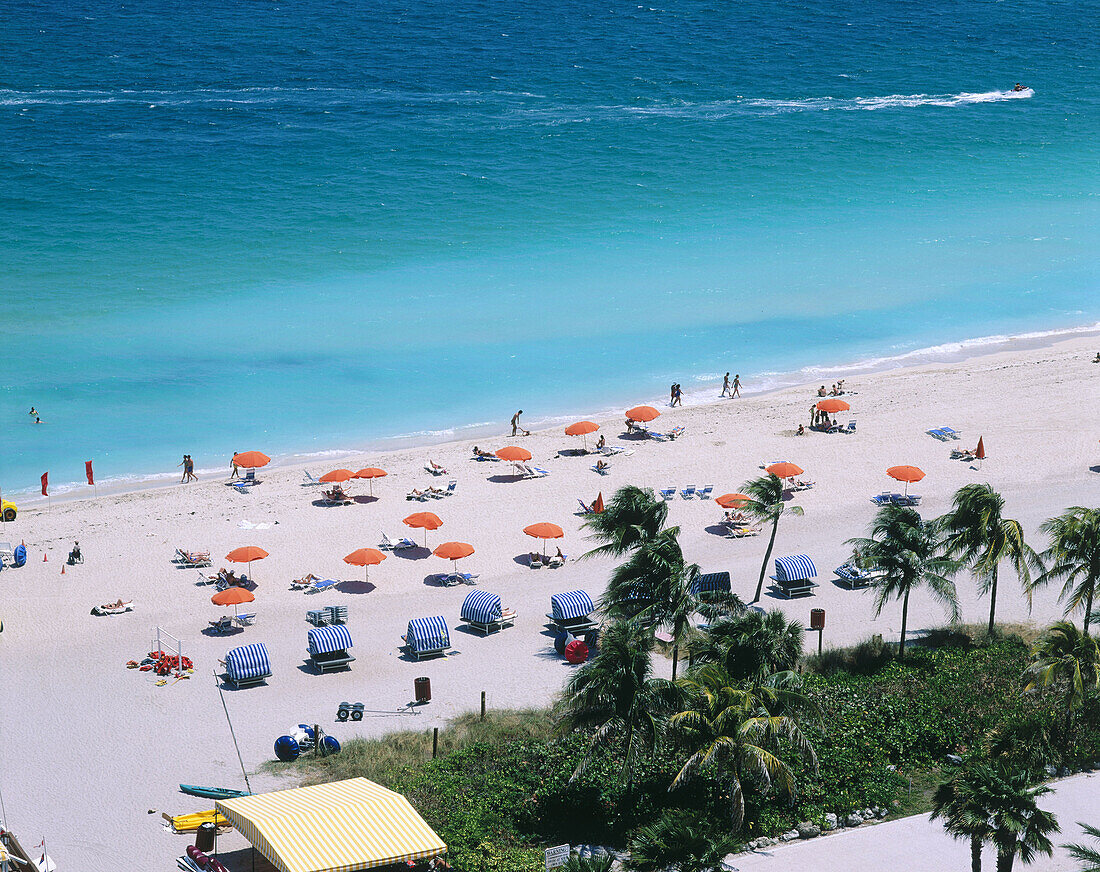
(337, 827)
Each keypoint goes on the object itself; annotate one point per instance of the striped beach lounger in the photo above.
(247, 665)
(711, 582)
(483, 612)
(571, 610)
(328, 647)
(793, 574)
(427, 637)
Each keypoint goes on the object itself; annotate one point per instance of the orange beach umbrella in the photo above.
(733, 501)
(642, 413)
(833, 405)
(423, 520)
(251, 459)
(544, 530)
(785, 470)
(370, 473)
(582, 429)
(246, 555)
(907, 474)
(232, 596)
(337, 475)
(515, 454)
(454, 551)
(365, 557)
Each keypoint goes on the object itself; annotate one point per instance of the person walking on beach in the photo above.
(736, 386)
(234, 470)
(725, 385)
(183, 463)
(677, 398)
(515, 424)
(672, 395)
(189, 469)
(813, 416)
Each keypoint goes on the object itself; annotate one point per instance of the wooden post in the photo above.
(819, 633)
(483, 705)
(435, 742)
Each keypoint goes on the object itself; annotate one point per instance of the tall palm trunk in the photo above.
(675, 659)
(904, 619)
(1088, 607)
(767, 557)
(992, 600)
(1005, 859)
(975, 854)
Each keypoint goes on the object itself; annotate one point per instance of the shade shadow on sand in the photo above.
(355, 587)
(505, 479)
(211, 633)
(718, 530)
(364, 499)
(325, 504)
(417, 553)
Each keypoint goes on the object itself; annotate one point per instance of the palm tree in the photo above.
(616, 693)
(1065, 657)
(767, 505)
(750, 645)
(984, 803)
(1074, 557)
(732, 732)
(978, 532)
(678, 840)
(632, 516)
(906, 552)
(1089, 858)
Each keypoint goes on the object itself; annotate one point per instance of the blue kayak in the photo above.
(212, 792)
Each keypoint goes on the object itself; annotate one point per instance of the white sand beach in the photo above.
(89, 747)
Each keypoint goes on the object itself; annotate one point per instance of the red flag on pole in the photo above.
(88, 471)
(45, 484)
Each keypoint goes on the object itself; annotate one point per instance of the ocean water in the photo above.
(316, 225)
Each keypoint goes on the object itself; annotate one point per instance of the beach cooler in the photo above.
(247, 665)
(482, 611)
(793, 574)
(427, 637)
(572, 611)
(328, 647)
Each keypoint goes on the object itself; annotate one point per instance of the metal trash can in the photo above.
(817, 619)
(204, 838)
(423, 689)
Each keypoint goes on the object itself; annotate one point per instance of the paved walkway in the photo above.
(916, 844)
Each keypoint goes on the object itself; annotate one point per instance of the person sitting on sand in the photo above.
(1097, 358)
(821, 392)
(801, 431)
(601, 443)
(602, 465)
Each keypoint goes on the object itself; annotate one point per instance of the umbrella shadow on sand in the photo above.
(505, 479)
(355, 587)
(718, 530)
(213, 633)
(417, 553)
(364, 498)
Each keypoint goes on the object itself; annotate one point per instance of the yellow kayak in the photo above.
(189, 823)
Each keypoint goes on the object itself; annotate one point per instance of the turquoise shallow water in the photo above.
(314, 225)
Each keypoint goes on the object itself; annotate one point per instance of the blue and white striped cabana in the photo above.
(326, 640)
(798, 567)
(711, 582)
(571, 605)
(428, 634)
(247, 662)
(481, 607)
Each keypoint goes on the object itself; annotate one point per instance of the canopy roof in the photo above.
(338, 827)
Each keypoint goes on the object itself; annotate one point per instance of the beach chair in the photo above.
(949, 433)
(328, 648)
(612, 450)
(882, 499)
(534, 561)
(852, 577)
(675, 433)
(571, 611)
(336, 496)
(482, 612)
(449, 492)
(322, 585)
(938, 434)
(704, 493)
(427, 637)
(537, 472)
(242, 620)
(585, 508)
(450, 579)
(851, 428)
(308, 480)
(224, 624)
(247, 665)
(434, 468)
(802, 484)
(556, 562)
(743, 531)
(414, 494)
(404, 543)
(667, 493)
(7, 554)
(793, 576)
(688, 492)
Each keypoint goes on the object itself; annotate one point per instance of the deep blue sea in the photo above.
(313, 225)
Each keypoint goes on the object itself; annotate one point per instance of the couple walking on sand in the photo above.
(188, 469)
(731, 389)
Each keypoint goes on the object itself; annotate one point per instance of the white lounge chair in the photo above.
(688, 492)
(667, 493)
(308, 479)
(704, 493)
(434, 468)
